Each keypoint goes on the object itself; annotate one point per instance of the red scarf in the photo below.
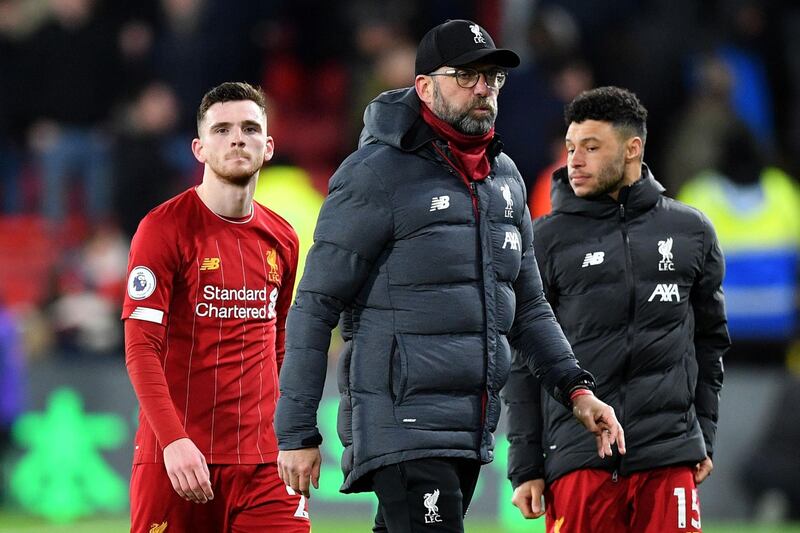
(468, 150)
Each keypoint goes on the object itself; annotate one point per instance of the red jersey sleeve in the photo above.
(152, 264)
(285, 299)
(143, 342)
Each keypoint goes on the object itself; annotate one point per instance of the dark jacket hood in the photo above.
(393, 118)
(637, 197)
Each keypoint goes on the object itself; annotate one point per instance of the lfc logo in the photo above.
(665, 249)
(272, 261)
(509, 211)
(478, 36)
(158, 528)
(429, 501)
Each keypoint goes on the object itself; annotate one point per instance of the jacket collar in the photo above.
(394, 118)
(637, 198)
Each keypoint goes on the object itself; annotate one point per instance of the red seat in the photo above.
(27, 255)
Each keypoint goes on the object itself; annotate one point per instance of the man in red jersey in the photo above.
(211, 274)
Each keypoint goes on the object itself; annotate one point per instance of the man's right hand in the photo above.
(528, 498)
(599, 418)
(187, 470)
(300, 468)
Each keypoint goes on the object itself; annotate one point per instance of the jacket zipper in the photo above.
(631, 315)
(473, 191)
(472, 186)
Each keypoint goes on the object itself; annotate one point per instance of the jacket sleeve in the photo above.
(522, 396)
(537, 335)
(710, 337)
(353, 227)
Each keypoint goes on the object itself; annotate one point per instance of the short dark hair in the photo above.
(231, 91)
(618, 106)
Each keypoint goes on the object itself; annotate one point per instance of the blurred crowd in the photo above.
(97, 103)
(98, 100)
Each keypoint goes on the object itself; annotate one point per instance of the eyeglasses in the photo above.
(468, 77)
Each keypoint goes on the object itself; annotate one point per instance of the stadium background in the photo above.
(97, 101)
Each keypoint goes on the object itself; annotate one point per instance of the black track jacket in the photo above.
(636, 286)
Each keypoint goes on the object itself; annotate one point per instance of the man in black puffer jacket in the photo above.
(635, 281)
(423, 247)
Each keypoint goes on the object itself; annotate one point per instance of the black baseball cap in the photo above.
(460, 42)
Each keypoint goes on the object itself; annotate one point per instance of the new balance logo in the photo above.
(440, 202)
(666, 291)
(512, 238)
(210, 263)
(593, 258)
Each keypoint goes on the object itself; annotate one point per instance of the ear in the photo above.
(424, 87)
(269, 149)
(634, 149)
(197, 150)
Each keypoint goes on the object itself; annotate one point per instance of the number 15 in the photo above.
(680, 493)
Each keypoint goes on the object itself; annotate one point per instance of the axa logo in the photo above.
(478, 36)
(512, 240)
(429, 500)
(440, 202)
(158, 528)
(593, 258)
(272, 261)
(666, 291)
(209, 263)
(665, 249)
(509, 211)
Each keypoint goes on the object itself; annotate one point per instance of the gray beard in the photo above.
(463, 122)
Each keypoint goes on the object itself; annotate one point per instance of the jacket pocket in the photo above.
(438, 381)
(344, 419)
(439, 363)
(690, 367)
(343, 368)
(502, 364)
(398, 372)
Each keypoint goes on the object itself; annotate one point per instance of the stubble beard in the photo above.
(236, 177)
(463, 121)
(610, 178)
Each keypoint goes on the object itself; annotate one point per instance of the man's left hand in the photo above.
(599, 418)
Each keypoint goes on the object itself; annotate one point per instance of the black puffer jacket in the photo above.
(636, 286)
(428, 273)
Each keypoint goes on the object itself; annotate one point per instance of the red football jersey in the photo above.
(222, 289)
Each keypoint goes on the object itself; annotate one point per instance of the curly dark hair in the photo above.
(618, 106)
(231, 91)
